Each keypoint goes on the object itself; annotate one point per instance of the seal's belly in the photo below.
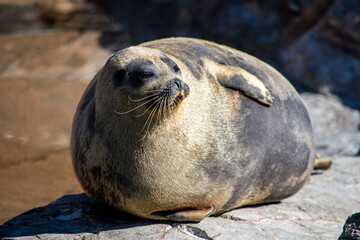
(260, 156)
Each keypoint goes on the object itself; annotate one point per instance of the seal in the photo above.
(179, 129)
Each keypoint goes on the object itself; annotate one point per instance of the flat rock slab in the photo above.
(318, 211)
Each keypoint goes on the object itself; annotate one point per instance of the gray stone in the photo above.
(336, 126)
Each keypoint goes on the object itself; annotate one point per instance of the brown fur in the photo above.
(190, 158)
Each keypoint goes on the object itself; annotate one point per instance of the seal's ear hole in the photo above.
(171, 64)
(119, 77)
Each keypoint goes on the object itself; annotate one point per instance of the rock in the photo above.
(318, 211)
(336, 126)
(351, 228)
(19, 16)
(72, 14)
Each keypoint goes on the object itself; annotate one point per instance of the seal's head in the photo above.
(141, 80)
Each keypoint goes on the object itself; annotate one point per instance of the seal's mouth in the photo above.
(171, 95)
(177, 99)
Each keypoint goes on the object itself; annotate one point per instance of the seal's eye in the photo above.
(141, 72)
(144, 75)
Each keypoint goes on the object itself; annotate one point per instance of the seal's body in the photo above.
(179, 129)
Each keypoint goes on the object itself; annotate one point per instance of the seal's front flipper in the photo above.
(250, 86)
(241, 80)
(191, 215)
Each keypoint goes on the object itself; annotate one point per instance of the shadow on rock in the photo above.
(70, 214)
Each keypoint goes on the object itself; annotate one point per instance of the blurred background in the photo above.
(51, 49)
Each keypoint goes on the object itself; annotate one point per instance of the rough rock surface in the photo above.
(336, 126)
(317, 212)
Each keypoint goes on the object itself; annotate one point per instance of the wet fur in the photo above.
(219, 147)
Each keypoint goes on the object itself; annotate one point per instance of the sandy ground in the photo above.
(34, 184)
(42, 77)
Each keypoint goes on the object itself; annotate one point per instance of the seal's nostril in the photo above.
(178, 83)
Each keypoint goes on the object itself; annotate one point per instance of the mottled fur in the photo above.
(242, 136)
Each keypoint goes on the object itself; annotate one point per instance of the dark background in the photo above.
(314, 43)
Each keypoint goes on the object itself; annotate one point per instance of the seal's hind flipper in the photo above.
(241, 80)
(191, 215)
(321, 164)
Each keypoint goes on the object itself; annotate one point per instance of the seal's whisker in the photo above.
(158, 106)
(147, 120)
(152, 116)
(148, 123)
(152, 91)
(135, 107)
(168, 105)
(158, 99)
(138, 100)
(159, 115)
(164, 106)
(143, 128)
(144, 112)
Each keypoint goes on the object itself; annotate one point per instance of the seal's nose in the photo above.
(179, 86)
(177, 82)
